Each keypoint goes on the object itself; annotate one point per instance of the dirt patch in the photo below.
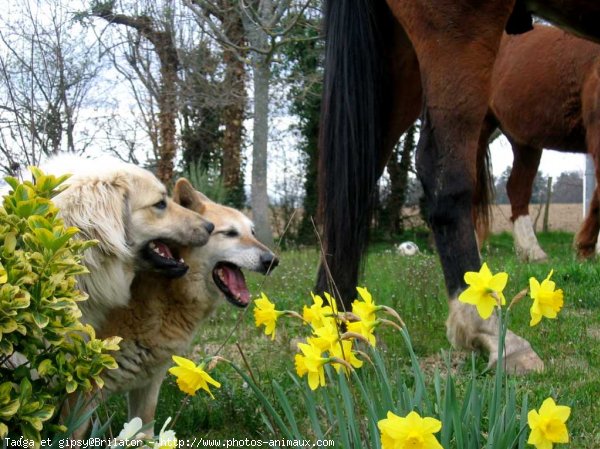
(568, 363)
(561, 217)
(594, 332)
(438, 361)
(579, 313)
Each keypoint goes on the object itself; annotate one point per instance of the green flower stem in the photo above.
(184, 402)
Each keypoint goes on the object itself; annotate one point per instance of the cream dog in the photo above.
(126, 209)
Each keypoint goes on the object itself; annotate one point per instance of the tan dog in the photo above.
(164, 314)
(127, 210)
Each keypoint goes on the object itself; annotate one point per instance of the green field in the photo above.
(569, 346)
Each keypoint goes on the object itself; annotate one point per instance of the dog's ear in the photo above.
(101, 211)
(185, 195)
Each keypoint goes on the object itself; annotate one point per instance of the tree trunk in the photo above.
(398, 167)
(233, 115)
(260, 198)
(167, 106)
(165, 48)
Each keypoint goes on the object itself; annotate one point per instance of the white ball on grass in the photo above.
(407, 248)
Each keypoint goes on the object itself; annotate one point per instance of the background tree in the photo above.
(226, 23)
(399, 166)
(156, 26)
(45, 82)
(201, 110)
(538, 193)
(500, 186)
(234, 109)
(303, 60)
(267, 25)
(568, 188)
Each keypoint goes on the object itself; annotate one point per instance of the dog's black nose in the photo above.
(209, 227)
(268, 261)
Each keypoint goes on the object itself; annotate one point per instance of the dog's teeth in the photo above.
(181, 260)
(152, 245)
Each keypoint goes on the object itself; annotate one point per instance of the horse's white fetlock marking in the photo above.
(527, 246)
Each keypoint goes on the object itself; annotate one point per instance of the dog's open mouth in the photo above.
(164, 257)
(230, 280)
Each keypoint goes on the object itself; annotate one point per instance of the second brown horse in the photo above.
(545, 94)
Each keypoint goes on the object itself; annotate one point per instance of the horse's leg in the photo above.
(455, 73)
(587, 237)
(519, 189)
(586, 241)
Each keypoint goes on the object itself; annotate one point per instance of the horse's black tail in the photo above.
(353, 118)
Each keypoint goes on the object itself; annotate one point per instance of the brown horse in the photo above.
(545, 94)
(384, 60)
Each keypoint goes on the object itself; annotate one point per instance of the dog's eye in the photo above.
(162, 204)
(232, 233)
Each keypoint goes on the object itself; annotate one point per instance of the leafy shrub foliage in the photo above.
(39, 316)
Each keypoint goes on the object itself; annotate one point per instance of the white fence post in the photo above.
(589, 183)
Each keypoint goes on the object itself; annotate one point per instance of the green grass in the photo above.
(569, 346)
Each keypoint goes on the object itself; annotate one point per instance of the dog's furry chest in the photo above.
(149, 342)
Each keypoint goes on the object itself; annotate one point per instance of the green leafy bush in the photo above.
(39, 316)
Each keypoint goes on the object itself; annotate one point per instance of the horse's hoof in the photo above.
(519, 358)
(531, 255)
(537, 255)
(523, 362)
(586, 253)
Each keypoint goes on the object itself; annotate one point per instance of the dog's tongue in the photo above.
(234, 279)
(162, 249)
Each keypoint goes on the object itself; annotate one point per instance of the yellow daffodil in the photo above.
(364, 309)
(546, 300)
(331, 301)
(364, 328)
(548, 425)
(482, 287)
(317, 314)
(191, 378)
(411, 432)
(265, 314)
(343, 350)
(311, 362)
(325, 336)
